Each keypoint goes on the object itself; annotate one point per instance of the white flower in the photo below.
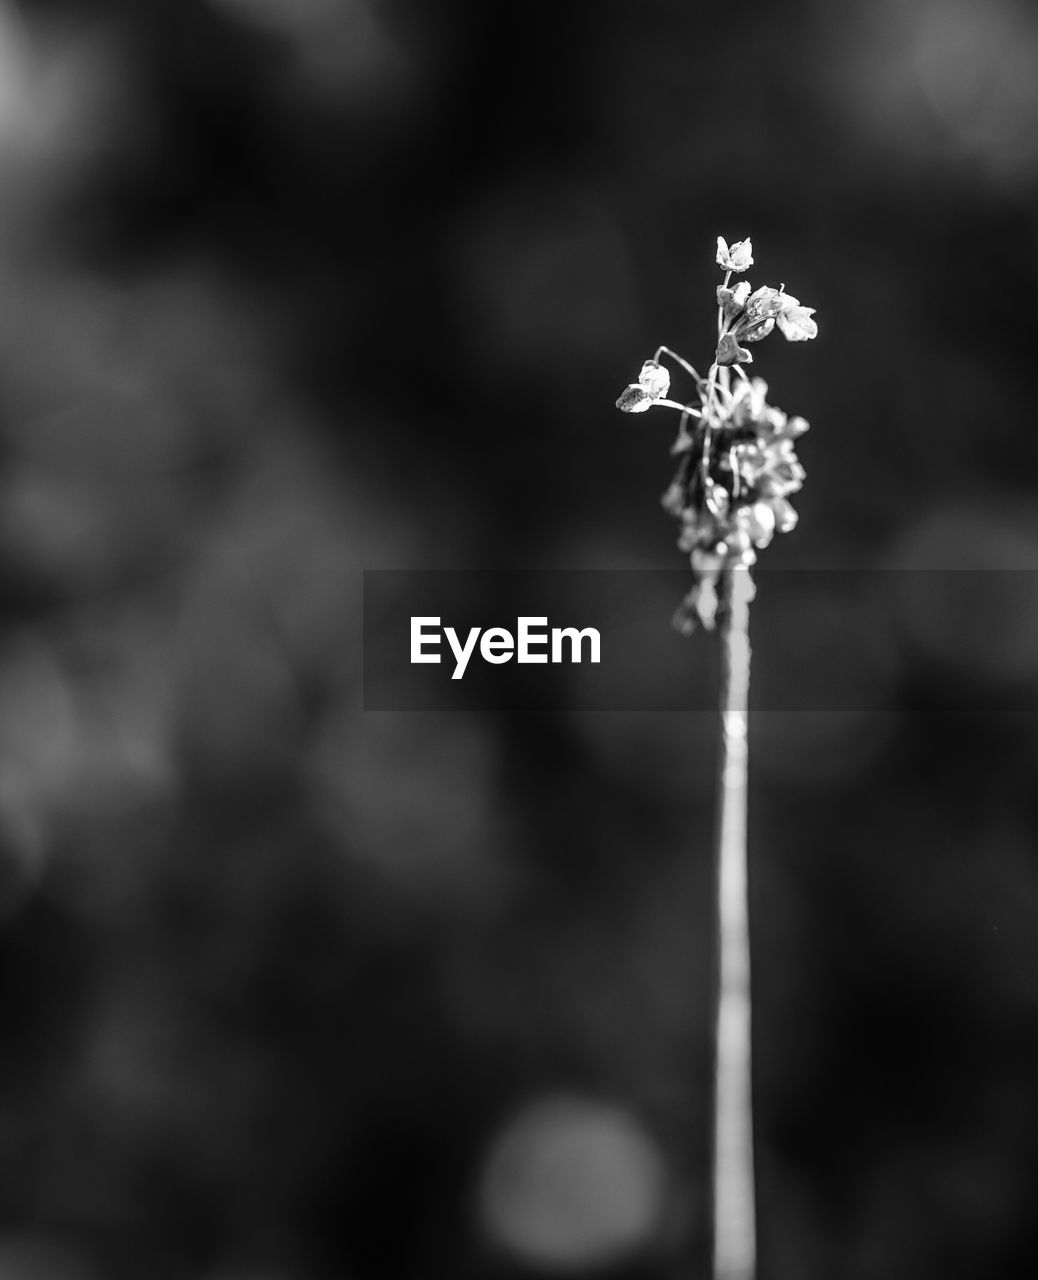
(654, 380)
(796, 324)
(737, 258)
(652, 385)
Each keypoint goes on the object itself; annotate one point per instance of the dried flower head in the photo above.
(738, 461)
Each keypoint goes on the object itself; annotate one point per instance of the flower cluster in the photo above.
(748, 317)
(738, 463)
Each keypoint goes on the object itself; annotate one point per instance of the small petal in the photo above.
(737, 258)
(654, 379)
(796, 324)
(716, 497)
(706, 603)
(796, 427)
(737, 549)
(739, 540)
(764, 302)
(749, 401)
(785, 514)
(699, 608)
(758, 392)
(686, 615)
(758, 331)
(759, 523)
(781, 476)
(708, 562)
(741, 255)
(673, 501)
(635, 399)
(729, 352)
(732, 301)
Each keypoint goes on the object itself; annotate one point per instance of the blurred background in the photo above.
(294, 288)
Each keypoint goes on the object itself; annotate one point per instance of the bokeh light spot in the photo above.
(572, 1184)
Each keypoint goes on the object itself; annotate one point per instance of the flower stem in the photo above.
(733, 1185)
(660, 351)
(676, 404)
(720, 309)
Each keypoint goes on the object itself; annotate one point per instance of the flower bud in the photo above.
(716, 498)
(758, 331)
(796, 324)
(635, 399)
(729, 352)
(732, 301)
(737, 258)
(706, 602)
(686, 615)
(654, 379)
(673, 501)
(764, 302)
(758, 522)
(785, 514)
(709, 561)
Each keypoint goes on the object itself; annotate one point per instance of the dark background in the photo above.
(294, 288)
